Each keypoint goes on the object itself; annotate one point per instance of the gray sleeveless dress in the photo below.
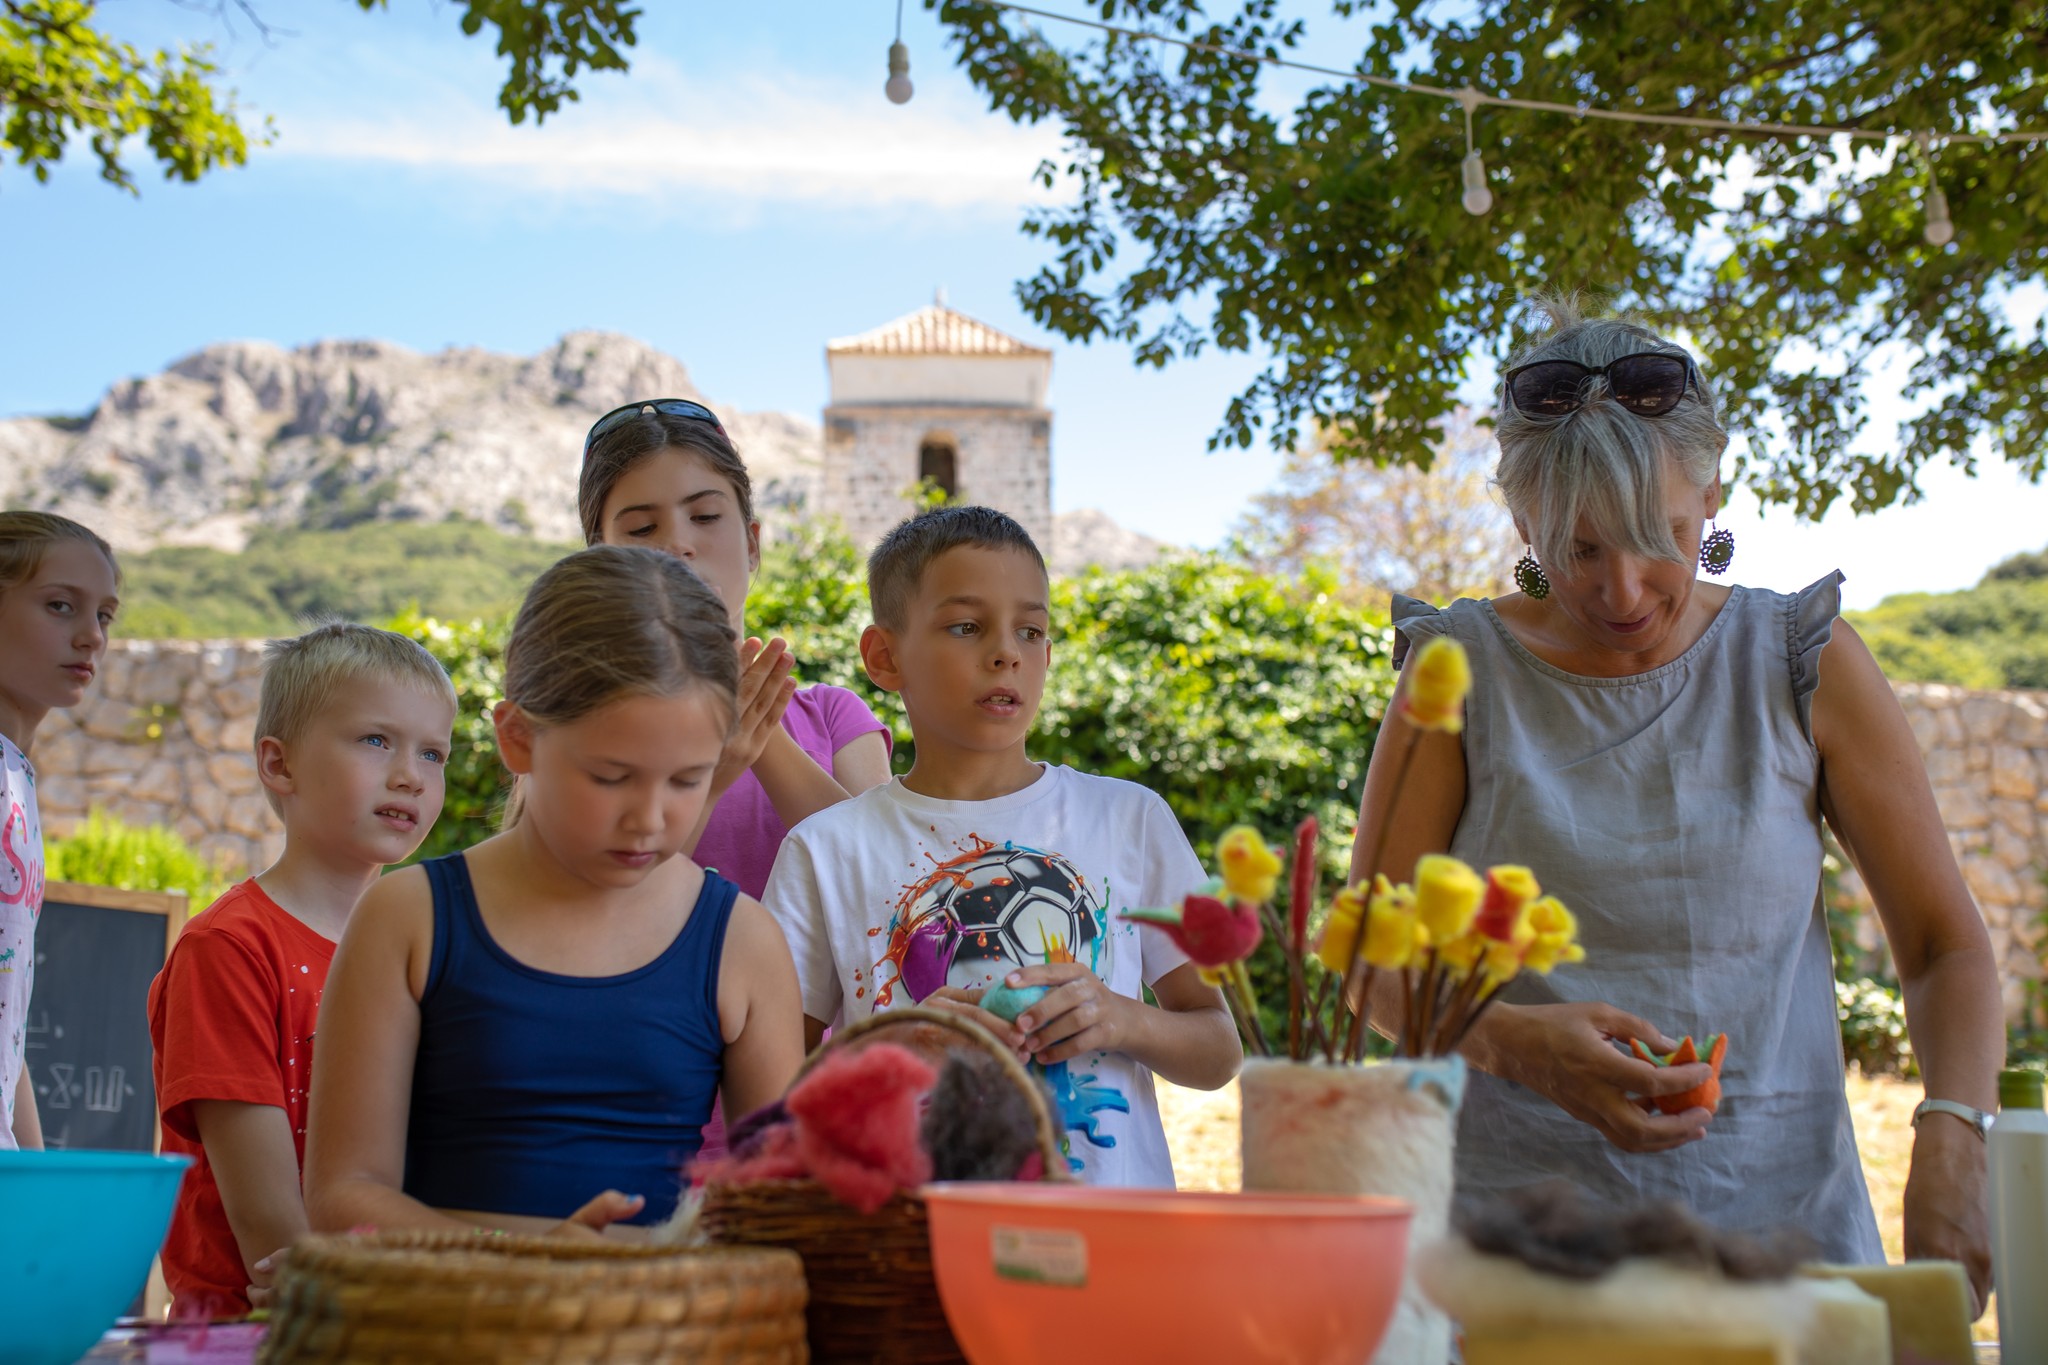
(1677, 813)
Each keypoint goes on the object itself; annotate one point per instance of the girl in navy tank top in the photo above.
(530, 1035)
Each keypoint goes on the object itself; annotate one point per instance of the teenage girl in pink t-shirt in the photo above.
(664, 474)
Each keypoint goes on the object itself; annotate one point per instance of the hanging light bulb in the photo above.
(1939, 231)
(1478, 198)
(899, 88)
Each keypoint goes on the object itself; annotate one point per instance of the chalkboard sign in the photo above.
(97, 950)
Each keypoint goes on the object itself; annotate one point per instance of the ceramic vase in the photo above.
(1380, 1128)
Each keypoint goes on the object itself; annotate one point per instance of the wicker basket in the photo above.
(450, 1296)
(873, 1298)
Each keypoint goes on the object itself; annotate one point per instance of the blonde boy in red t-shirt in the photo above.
(353, 730)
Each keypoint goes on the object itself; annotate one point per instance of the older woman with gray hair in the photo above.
(1662, 751)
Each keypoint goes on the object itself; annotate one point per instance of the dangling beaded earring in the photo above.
(1530, 578)
(1717, 551)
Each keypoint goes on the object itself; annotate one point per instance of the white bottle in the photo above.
(2019, 1216)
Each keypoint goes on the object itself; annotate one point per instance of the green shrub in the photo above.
(364, 572)
(473, 652)
(1874, 1027)
(1992, 635)
(110, 852)
(1238, 697)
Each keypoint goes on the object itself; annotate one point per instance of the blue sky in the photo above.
(743, 196)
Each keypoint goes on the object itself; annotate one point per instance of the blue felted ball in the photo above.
(1007, 1002)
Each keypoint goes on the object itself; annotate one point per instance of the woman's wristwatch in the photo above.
(1979, 1121)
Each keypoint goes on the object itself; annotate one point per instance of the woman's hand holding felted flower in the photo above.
(1566, 1053)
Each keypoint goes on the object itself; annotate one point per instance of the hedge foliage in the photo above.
(1992, 635)
(105, 851)
(454, 569)
(1238, 697)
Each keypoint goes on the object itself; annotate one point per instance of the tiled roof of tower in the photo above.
(933, 330)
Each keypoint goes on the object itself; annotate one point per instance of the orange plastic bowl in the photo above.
(1037, 1273)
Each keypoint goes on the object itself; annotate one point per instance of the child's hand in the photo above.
(589, 1222)
(1079, 1014)
(262, 1276)
(764, 693)
(955, 1000)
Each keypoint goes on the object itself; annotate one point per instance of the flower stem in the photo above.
(1451, 1028)
(1354, 1036)
(1473, 1018)
(1247, 1028)
(1329, 1035)
(1296, 987)
(1241, 979)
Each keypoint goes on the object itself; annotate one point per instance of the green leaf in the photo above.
(1332, 236)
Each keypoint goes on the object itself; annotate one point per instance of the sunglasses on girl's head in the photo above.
(1648, 384)
(670, 407)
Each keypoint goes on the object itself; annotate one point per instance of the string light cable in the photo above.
(1478, 197)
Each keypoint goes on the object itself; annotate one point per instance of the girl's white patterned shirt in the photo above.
(21, 905)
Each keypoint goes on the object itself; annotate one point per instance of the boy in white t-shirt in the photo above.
(979, 866)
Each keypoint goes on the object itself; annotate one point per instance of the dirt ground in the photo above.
(1201, 1130)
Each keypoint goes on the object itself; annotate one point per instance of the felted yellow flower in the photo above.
(1461, 954)
(1340, 930)
(1555, 933)
(1390, 926)
(1439, 676)
(1250, 869)
(1446, 896)
(1509, 889)
(1503, 958)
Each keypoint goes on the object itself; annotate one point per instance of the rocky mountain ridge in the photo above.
(244, 435)
(247, 434)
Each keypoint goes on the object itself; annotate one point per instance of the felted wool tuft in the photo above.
(1554, 1227)
(741, 1138)
(979, 1125)
(770, 1154)
(857, 1123)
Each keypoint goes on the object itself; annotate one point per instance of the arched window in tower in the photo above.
(938, 463)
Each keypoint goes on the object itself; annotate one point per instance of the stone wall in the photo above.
(165, 738)
(1987, 757)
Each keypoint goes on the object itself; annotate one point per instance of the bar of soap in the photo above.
(1571, 1346)
(1849, 1326)
(1929, 1304)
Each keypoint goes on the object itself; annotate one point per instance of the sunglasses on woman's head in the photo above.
(1648, 384)
(668, 407)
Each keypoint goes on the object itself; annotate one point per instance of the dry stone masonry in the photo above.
(1987, 757)
(165, 738)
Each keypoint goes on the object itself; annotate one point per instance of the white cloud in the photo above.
(664, 134)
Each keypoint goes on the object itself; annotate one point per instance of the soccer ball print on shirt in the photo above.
(988, 909)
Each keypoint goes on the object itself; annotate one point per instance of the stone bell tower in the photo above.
(937, 395)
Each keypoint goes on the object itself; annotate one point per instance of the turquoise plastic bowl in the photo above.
(81, 1228)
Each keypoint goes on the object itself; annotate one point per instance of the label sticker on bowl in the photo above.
(1041, 1255)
